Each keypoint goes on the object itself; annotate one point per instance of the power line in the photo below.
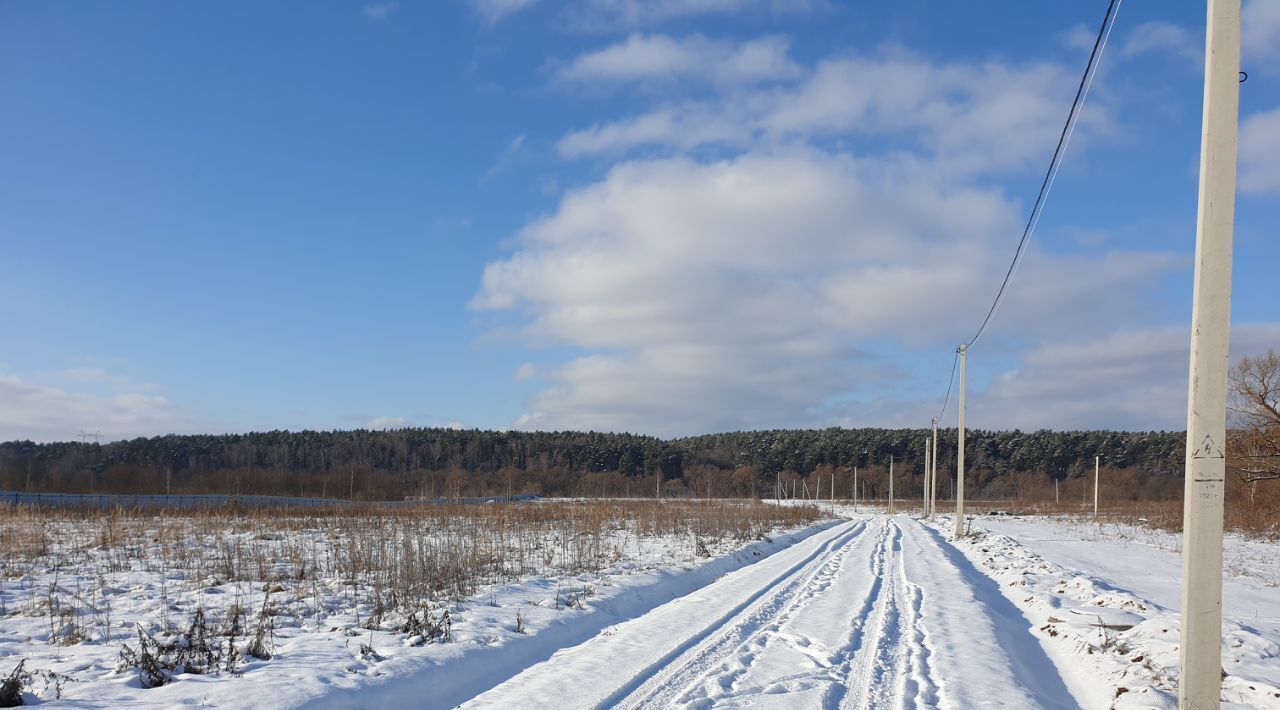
(1068, 128)
(950, 381)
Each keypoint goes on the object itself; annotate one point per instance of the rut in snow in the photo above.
(873, 613)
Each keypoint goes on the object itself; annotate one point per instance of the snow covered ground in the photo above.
(75, 592)
(887, 612)
(1104, 600)
(868, 611)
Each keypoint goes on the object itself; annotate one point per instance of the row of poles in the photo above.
(1200, 648)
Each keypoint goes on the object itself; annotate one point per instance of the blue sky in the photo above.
(671, 217)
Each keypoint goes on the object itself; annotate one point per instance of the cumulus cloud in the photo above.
(1260, 31)
(506, 158)
(1160, 36)
(749, 291)
(1079, 37)
(612, 15)
(494, 11)
(1131, 378)
(1259, 159)
(658, 58)
(118, 408)
(966, 117)
(379, 11)
(380, 423)
(526, 371)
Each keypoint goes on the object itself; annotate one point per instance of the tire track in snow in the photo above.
(669, 682)
(879, 613)
(873, 666)
(888, 658)
(732, 677)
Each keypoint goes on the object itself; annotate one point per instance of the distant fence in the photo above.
(91, 500)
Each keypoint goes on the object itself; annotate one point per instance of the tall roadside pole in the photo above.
(933, 470)
(963, 350)
(924, 489)
(1096, 468)
(1201, 643)
(890, 484)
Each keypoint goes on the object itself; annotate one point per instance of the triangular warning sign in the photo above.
(1208, 449)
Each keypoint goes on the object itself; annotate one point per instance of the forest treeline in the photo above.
(393, 464)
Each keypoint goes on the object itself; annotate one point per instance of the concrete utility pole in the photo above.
(962, 350)
(855, 489)
(1096, 468)
(657, 474)
(924, 504)
(890, 484)
(1200, 650)
(933, 472)
(833, 488)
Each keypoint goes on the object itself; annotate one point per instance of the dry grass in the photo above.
(390, 558)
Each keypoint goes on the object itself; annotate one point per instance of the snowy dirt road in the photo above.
(873, 613)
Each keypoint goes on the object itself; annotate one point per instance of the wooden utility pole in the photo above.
(1200, 651)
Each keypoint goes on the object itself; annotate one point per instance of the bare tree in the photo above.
(1255, 408)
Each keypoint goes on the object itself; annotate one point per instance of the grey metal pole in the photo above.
(1200, 649)
(963, 350)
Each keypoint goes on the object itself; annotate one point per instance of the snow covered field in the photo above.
(349, 606)
(862, 611)
(1104, 599)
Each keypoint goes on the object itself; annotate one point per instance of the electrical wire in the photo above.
(950, 381)
(1068, 129)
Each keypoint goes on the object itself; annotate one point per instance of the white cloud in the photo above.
(506, 158)
(99, 376)
(379, 11)
(967, 117)
(1131, 379)
(1162, 36)
(658, 58)
(48, 413)
(380, 423)
(1079, 37)
(610, 15)
(1259, 159)
(526, 371)
(746, 292)
(1259, 31)
(494, 11)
